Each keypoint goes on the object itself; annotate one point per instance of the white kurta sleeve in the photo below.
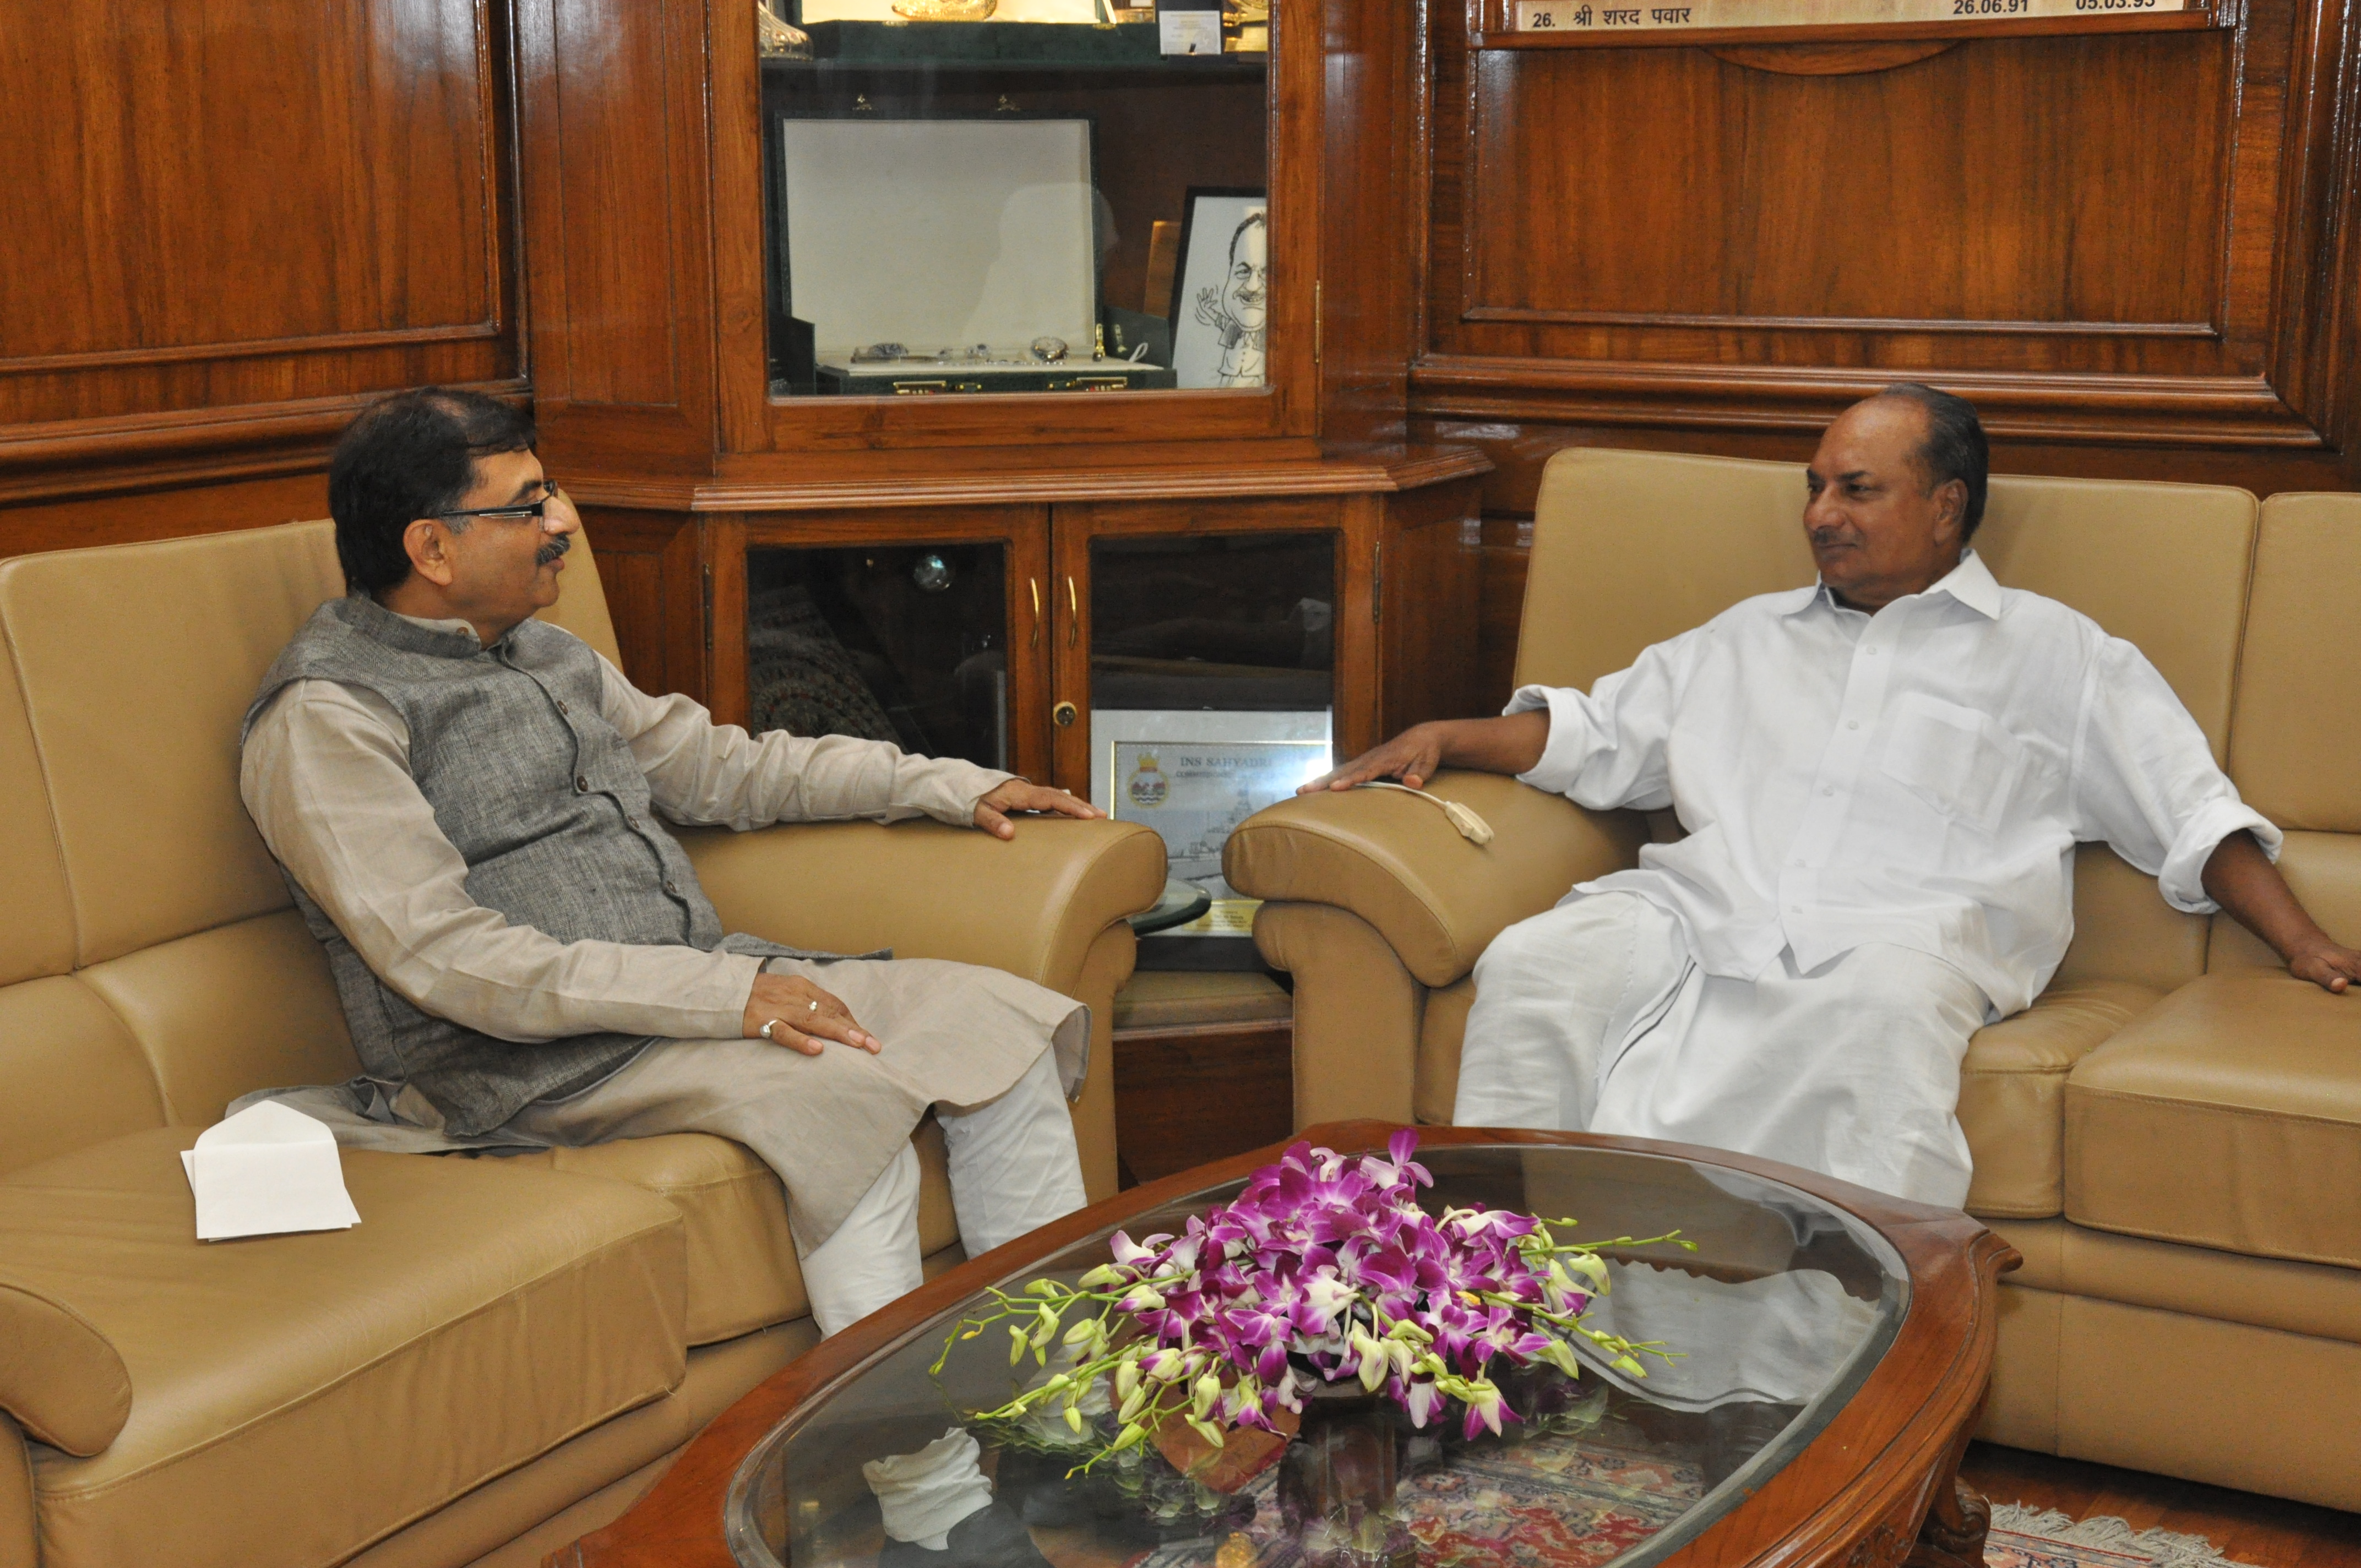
(706, 774)
(1607, 748)
(325, 776)
(2145, 780)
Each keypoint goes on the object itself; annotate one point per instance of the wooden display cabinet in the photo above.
(1405, 590)
(652, 295)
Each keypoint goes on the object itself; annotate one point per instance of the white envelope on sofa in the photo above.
(267, 1169)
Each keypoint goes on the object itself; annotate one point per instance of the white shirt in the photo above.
(1919, 776)
(325, 776)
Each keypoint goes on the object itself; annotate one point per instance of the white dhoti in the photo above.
(1594, 1017)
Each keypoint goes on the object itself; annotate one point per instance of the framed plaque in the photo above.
(1529, 22)
(1193, 776)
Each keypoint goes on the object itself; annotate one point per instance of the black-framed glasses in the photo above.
(520, 511)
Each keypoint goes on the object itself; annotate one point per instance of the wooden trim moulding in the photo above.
(1351, 474)
(255, 348)
(2227, 411)
(177, 446)
(2207, 330)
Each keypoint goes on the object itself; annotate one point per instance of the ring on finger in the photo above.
(766, 1029)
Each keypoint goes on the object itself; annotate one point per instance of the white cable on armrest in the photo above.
(1472, 828)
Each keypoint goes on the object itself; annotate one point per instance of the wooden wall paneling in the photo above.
(1360, 672)
(1426, 641)
(616, 198)
(2100, 238)
(723, 538)
(687, 611)
(213, 263)
(740, 265)
(1072, 529)
(640, 554)
(119, 519)
(2316, 359)
(1373, 223)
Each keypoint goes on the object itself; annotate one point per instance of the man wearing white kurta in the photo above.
(1881, 779)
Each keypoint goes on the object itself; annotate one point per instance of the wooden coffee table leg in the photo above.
(1958, 1519)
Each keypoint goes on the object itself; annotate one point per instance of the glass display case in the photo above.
(1212, 691)
(998, 196)
(906, 644)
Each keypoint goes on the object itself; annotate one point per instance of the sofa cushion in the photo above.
(70, 1073)
(2292, 762)
(497, 1312)
(2125, 930)
(116, 704)
(244, 1006)
(2227, 1116)
(37, 917)
(742, 1273)
(2323, 871)
(2013, 1093)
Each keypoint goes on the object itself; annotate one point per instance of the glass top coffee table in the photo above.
(1833, 1348)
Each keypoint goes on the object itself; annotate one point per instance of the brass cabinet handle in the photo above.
(1064, 715)
(1035, 583)
(1073, 614)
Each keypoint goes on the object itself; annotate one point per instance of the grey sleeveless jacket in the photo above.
(545, 801)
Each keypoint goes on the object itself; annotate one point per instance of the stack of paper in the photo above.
(267, 1169)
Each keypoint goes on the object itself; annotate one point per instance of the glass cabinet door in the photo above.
(995, 196)
(900, 643)
(1212, 694)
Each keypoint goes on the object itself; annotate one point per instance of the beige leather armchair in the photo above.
(2171, 1134)
(505, 1352)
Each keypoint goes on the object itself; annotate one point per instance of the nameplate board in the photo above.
(1773, 15)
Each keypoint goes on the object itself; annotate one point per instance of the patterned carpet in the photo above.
(1557, 1500)
(1578, 1500)
(2025, 1538)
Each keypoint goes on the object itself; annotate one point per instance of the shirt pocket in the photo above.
(1957, 760)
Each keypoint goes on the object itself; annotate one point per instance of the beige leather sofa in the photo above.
(2171, 1135)
(505, 1351)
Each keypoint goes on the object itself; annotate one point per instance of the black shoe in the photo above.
(992, 1537)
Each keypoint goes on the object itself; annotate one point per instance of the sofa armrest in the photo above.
(1398, 864)
(61, 1379)
(1031, 905)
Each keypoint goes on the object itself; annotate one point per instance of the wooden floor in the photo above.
(2265, 1532)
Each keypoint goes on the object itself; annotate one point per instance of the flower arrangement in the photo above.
(1324, 1269)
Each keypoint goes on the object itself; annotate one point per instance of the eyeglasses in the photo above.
(521, 511)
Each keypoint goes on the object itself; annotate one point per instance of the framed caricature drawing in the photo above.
(1221, 290)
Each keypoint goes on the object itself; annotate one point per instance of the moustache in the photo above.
(552, 550)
